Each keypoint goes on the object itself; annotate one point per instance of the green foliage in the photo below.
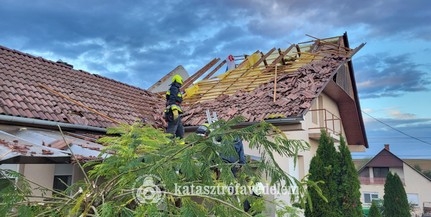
(395, 201)
(349, 185)
(324, 167)
(374, 210)
(341, 183)
(138, 151)
(13, 191)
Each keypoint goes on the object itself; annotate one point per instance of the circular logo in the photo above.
(148, 189)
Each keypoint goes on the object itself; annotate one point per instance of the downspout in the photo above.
(44, 123)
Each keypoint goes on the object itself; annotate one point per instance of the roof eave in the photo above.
(8, 119)
(276, 122)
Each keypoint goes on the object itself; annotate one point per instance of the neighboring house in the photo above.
(162, 85)
(373, 177)
(303, 89)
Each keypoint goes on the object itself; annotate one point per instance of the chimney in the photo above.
(387, 147)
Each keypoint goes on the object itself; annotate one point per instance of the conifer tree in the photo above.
(349, 185)
(145, 168)
(374, 210)
(324, 167)
(395, 201)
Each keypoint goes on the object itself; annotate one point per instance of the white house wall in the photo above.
(42, 174)
(417, 184)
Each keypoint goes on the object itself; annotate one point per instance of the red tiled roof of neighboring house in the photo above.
(21, 93)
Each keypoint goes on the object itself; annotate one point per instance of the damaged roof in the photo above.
(14, 149)
(32, 145)
(281, 84)
(24, 93)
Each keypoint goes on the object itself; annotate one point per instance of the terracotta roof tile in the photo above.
(21, 94)
(250, 95)
(294, 94)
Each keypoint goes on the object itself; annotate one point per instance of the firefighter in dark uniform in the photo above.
(173, 109)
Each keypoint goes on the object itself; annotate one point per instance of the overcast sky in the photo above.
(137, 42)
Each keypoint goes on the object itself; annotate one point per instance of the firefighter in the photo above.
(173, 109)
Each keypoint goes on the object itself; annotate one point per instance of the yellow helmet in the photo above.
(177, 78)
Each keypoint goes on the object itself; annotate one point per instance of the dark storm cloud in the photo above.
(381, 18)
(150, 38)
(382, 75)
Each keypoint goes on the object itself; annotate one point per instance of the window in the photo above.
(380, 172)
(62, 182)
(369, 197)
(413, 199)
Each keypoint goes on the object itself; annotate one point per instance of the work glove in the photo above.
(175, 112)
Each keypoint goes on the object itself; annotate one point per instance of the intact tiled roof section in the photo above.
(21, 93)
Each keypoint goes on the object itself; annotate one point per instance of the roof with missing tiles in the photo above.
(281, 83)
(32, 145)
(22, 93)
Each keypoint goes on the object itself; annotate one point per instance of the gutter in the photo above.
(49, 124)
(278, 121)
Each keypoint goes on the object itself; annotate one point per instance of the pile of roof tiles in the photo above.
(15, 146)
(294, 94)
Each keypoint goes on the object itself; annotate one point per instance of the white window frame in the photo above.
(372, 194)
(413, 197)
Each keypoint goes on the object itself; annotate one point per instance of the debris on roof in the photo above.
(282, 81)
(13, 148)
(257, 92)
(30, 142)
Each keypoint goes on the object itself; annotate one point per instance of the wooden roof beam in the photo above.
(282, 59)
(215, 70)
(263, 58)
(277, 60)
(199, 73)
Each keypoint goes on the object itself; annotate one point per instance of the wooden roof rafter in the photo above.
(199, 73)
(339, 48)
(262, 75)
(278, 59)
(255, 65)
(211, 89)
(211, 84)
(215, 70)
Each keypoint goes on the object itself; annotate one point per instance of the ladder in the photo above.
(211, 118)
